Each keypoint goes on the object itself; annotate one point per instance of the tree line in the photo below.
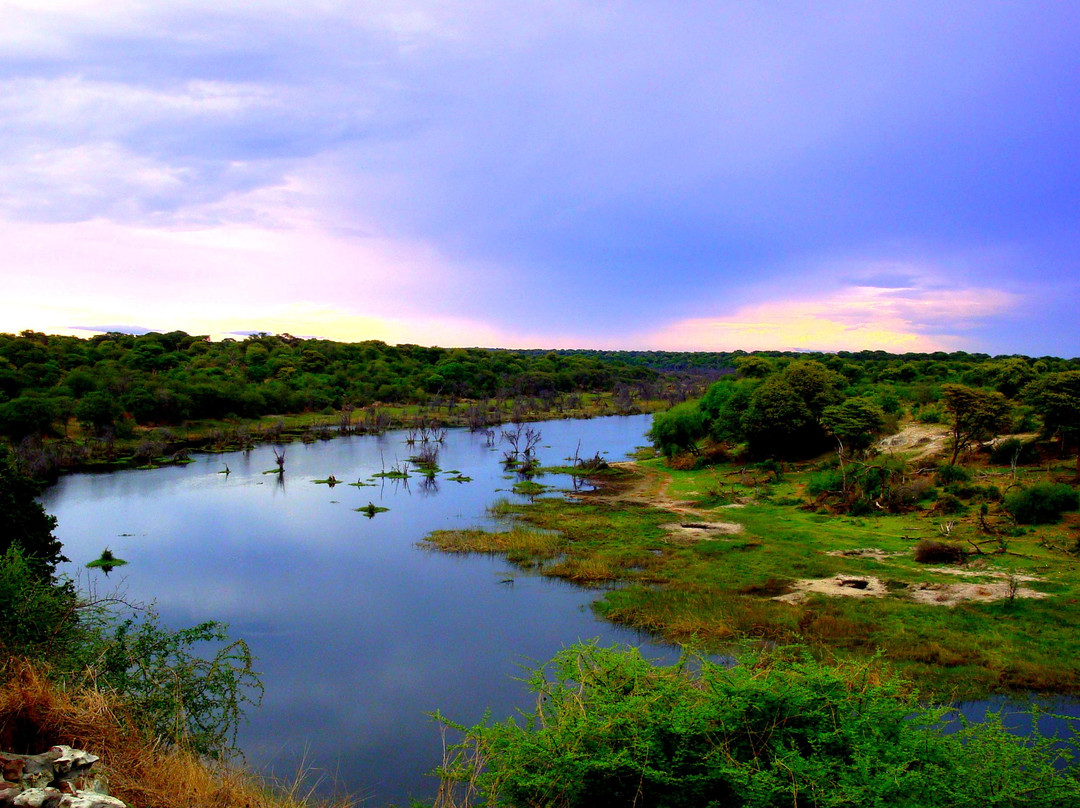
(119, 381)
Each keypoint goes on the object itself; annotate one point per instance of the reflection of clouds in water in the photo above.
(357, 631)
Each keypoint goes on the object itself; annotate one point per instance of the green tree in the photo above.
(854, 423)
(27, 415)
(1056, 398)
(777, 421)
(97, 411)
(976, 415)
(24, 522)
(610, 729)
(678, 429)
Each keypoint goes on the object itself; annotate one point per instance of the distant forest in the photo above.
(119, 382)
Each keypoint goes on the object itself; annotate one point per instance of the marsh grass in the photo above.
(520, 545)
(719, 592)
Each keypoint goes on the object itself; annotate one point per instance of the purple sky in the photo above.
(710, 176)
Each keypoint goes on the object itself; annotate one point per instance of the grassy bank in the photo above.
(731, 553)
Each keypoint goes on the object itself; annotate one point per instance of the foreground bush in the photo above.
(1042, 504)
(610, 729)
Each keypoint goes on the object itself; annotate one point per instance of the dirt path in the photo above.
(650, 488)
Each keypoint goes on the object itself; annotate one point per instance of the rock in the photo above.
(60, 778)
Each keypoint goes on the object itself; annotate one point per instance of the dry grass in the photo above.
(35, 714)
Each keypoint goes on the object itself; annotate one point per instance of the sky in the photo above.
(621, 175)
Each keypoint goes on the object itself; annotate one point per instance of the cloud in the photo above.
(852, 319)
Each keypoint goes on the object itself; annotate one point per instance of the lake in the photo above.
(358, 631)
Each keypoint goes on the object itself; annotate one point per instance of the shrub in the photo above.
(951, 474)
(824, 482)
(1003, 453)
(929, 551)
(930, 415)
(1042, 504)
(948, 503)
(779, 729)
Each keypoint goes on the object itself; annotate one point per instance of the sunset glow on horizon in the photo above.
(546, 175)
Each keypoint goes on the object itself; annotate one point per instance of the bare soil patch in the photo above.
(689, 532)
(952, 594)
(923, 440)
(865, 552)
(845, 586)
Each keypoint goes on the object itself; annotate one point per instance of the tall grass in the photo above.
(36, 714)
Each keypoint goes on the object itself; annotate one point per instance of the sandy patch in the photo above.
(968, 573)
(865, 552)
(847, 586)
(952, 594)
(923, 440)
(867, 586)
(689, 532)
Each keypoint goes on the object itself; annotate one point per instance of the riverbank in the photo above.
(149, 447)
(734, 554)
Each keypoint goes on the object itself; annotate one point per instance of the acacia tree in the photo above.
(976, 415)
(1056, 398)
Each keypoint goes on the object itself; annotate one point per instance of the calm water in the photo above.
(358, 631)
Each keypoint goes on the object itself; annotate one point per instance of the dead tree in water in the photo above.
(279, 458)
(523, 441)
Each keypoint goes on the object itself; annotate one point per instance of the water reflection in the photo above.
(358, 632)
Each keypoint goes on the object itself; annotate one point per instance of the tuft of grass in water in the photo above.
(519, 544)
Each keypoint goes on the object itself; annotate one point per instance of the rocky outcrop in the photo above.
(60, 778)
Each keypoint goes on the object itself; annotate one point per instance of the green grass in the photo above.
(719, 591)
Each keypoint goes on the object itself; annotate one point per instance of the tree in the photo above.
(27, 415)
(678, 429)
(778, 422)
(976, 415)
(24, 522)
(1056, 398)
(610, 729)
(97, 411)
(854, 424)
(818, 386)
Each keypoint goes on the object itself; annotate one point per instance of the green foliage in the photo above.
(1013, 450)
(778, 422)
(855, 423)
(24, 522)
(976, 415)
(39, 617)
(179, 695)
(1043, 503)
(946, 474)
(678, 429)
(610, 729)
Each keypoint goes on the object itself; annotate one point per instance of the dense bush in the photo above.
(1010, 449)
(678, 430)
(610, 729)
(929, 551)
(1043, 503)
